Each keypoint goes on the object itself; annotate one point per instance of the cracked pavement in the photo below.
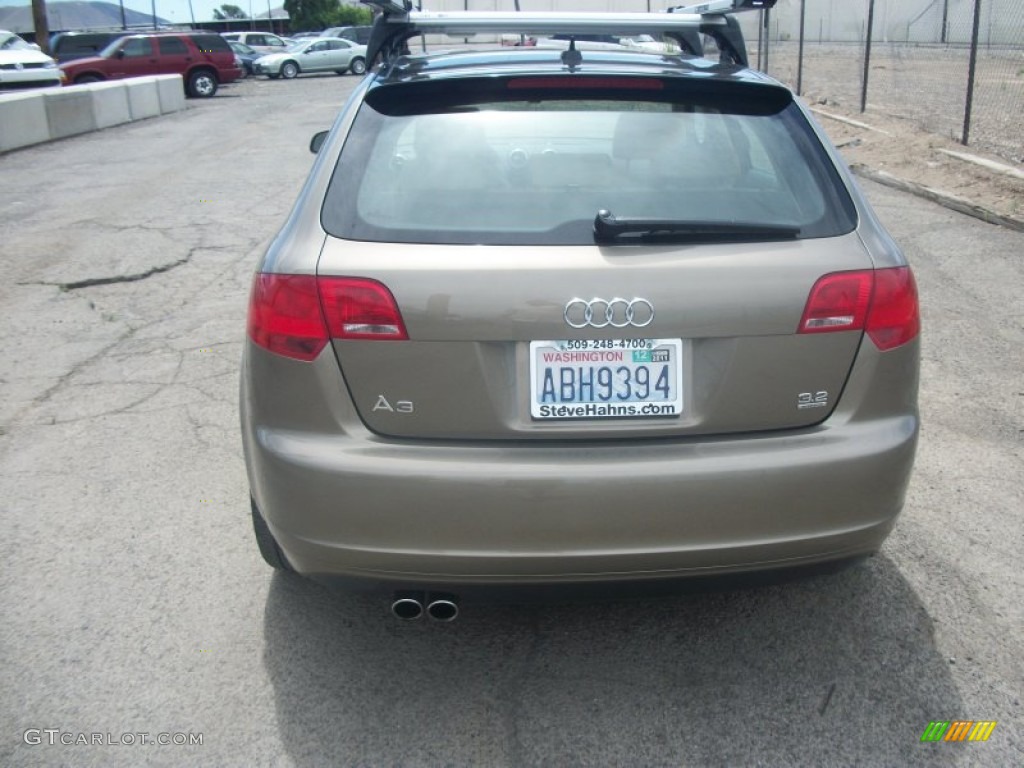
(133, 599)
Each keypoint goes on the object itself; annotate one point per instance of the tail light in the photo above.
(882, 302)
(360, 309)
(296, 315)
(585, 82)
(894, 318)
(285, 317)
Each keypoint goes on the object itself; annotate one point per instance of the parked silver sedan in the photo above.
(322, 54)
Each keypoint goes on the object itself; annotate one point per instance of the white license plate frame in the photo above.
(587, 392)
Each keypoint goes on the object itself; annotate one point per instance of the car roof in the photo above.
(171, 33)
(96, 32)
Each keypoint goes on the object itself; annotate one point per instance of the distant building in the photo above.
(275, 14)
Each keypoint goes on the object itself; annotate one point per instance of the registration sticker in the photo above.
(606, 378)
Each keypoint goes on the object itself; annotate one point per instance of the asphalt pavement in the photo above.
(134, 607)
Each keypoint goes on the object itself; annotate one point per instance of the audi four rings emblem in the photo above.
(604, 313)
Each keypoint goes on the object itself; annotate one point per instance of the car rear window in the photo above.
(211, 43)
(531, 161)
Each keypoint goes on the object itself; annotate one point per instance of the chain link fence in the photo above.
(954, 67)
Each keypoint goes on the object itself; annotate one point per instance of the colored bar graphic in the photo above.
(958, 730)
(982, 730)
(935, 731)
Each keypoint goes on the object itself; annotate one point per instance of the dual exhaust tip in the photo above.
(410, 606)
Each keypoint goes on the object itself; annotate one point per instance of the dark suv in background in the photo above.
(68, 46)
(203, 59)
(359, 35)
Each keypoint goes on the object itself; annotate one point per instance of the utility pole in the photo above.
(971, 69)
(867, 57)
(41, 25)
(800, 54)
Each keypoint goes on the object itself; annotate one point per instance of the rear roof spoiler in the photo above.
(397, 22)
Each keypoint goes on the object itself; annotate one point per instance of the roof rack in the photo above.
(724, 6)
(398, 22)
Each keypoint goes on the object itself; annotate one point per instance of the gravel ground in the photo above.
(902, 149)
(916, 106)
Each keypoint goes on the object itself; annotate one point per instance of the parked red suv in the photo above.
(203, 60)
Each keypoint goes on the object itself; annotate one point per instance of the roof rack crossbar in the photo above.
(724, 6)
(398, 22)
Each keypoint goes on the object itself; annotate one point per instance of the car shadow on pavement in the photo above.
(836, 669)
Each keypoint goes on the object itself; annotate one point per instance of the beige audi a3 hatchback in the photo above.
(545, 317)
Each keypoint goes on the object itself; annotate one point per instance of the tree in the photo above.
(228, 11)
(310, 14)
(349, 16)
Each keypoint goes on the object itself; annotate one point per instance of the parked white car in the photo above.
(320, 54)
(22, 64)
(264, 42)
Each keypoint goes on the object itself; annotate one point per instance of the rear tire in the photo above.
(357, 67)
(265, 540)
(202, 84)
(289, 70)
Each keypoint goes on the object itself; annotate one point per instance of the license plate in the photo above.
(606, 378)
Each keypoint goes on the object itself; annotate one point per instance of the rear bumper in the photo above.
(548, 514)
(349, 504)
(231, 75)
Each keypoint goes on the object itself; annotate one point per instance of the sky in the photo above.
(178, 10)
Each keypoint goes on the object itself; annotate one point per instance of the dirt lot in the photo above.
(899, 147)
(916, 100)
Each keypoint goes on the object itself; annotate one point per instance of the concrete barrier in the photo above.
(69, 111)
(171, 90)
(22, 120)
(109, 103)
(143, 98)
(32, 117)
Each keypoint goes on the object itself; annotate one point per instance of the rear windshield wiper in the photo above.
(608, 227)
